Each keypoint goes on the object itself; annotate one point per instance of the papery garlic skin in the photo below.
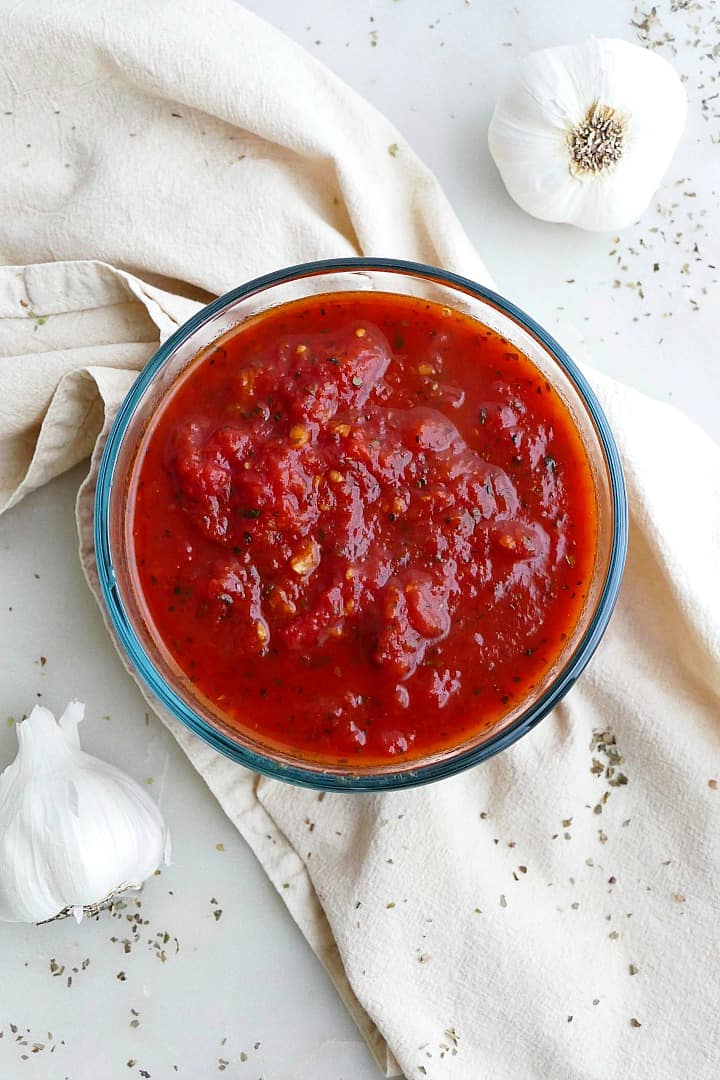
(74, 830)
(552, 96)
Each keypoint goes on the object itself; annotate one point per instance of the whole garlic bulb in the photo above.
(584, 134)
(74, 830)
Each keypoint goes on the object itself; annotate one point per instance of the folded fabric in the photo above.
(528, 919)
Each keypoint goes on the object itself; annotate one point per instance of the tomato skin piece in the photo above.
(428, 607)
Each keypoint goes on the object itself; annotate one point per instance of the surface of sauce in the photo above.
(363, 527)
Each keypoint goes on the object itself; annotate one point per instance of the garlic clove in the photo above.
(74, 830)
(584, 134)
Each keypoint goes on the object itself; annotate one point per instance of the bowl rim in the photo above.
(313, 776)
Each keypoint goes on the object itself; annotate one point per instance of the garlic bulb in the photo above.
(73, 830)
(584, 134)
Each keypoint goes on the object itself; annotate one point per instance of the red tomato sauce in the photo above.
(363, 527)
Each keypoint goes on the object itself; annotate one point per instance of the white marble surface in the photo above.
(245, 982)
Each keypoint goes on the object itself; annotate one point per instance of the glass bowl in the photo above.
(167, 684)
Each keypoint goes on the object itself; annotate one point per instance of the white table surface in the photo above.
(246, 982)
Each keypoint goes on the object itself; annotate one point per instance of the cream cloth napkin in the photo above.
(536, 917)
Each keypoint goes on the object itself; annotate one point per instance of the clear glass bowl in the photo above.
(168, 685)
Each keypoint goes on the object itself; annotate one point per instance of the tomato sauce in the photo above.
(363, 527)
